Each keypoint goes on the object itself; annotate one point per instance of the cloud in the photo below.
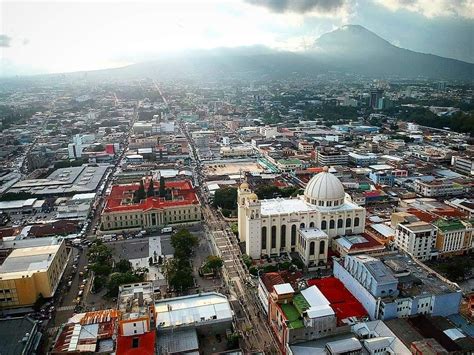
(5, 41)
(300, 6)
(433, 8)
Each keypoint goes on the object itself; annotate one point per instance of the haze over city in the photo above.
(64, 36)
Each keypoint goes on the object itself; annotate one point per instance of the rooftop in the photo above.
(192, 310)
(312, 233)
(449, 225)
(78, 179)
(343, 303)
(359, 242)
(121, 197)
(292, 315)
(430, 282)
(134, 300)
(27, 261)
(283, 289)
(15, 329)
(289, 205)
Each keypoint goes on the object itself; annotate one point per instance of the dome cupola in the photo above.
(324, 190)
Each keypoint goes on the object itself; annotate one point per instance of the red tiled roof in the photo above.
(271, 279)
(422, 215)
(371, 243)
(8, 232)
(343, 303)
(58, 227)
(146, 344)
(183, 194)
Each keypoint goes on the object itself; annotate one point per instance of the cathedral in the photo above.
(305, 224)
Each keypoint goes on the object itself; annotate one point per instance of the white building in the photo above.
(463, 165)
(417, 238)
(271, 226)
(269, 132)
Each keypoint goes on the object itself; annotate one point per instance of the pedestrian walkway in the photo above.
(65, 308)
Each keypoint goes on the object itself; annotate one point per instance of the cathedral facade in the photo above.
(275, 226)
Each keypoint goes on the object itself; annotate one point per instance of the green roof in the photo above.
(300, 303)
(289, 161)
(447, 226)
(293, 316)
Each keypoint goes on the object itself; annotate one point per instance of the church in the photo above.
(305, 224)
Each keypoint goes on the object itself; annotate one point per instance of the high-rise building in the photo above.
(375, 97)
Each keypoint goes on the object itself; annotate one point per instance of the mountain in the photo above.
(355, 48)
(349, 49)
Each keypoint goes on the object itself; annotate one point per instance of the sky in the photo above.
(63, 36)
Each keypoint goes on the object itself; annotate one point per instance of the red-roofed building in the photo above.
(270, 279)
(121, 213)
(141, 344)
(357, 244)
(344, 304)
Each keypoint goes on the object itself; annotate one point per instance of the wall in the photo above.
(446, 304)
(359, 292)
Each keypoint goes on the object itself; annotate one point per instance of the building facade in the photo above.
(270, 227)
(121, 213)
(417, 238)
(30, 270)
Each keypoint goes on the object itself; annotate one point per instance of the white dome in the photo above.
(324, 188)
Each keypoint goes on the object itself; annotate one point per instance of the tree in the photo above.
(40, 301)
(123, 266)
(150, 261)
(99, 253)
(179, 274)
(214, 262)
(139, 194)
(183, 243)
(226, 198)
(99, 282)
(151, 189)
(101, 269)
(162, 191)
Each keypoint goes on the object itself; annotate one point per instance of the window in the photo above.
(302, 226)
(274, 236)
(311, 225)
(339, 223)
(324, 225)
(283, 236)
(322, 246)
(311, 248)
(264, 237)
(135, 342)
(331, 224)
(348, 223)
(293, 235)
(356, 222)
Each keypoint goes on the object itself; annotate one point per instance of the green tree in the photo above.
(139, 194)
(162, 191)
(99, 282)
(183, 243)
(101, 269)
(123, 266)
(226, 198)
(179, 274)
(214, 262)
(99, 253)
(151, 189)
